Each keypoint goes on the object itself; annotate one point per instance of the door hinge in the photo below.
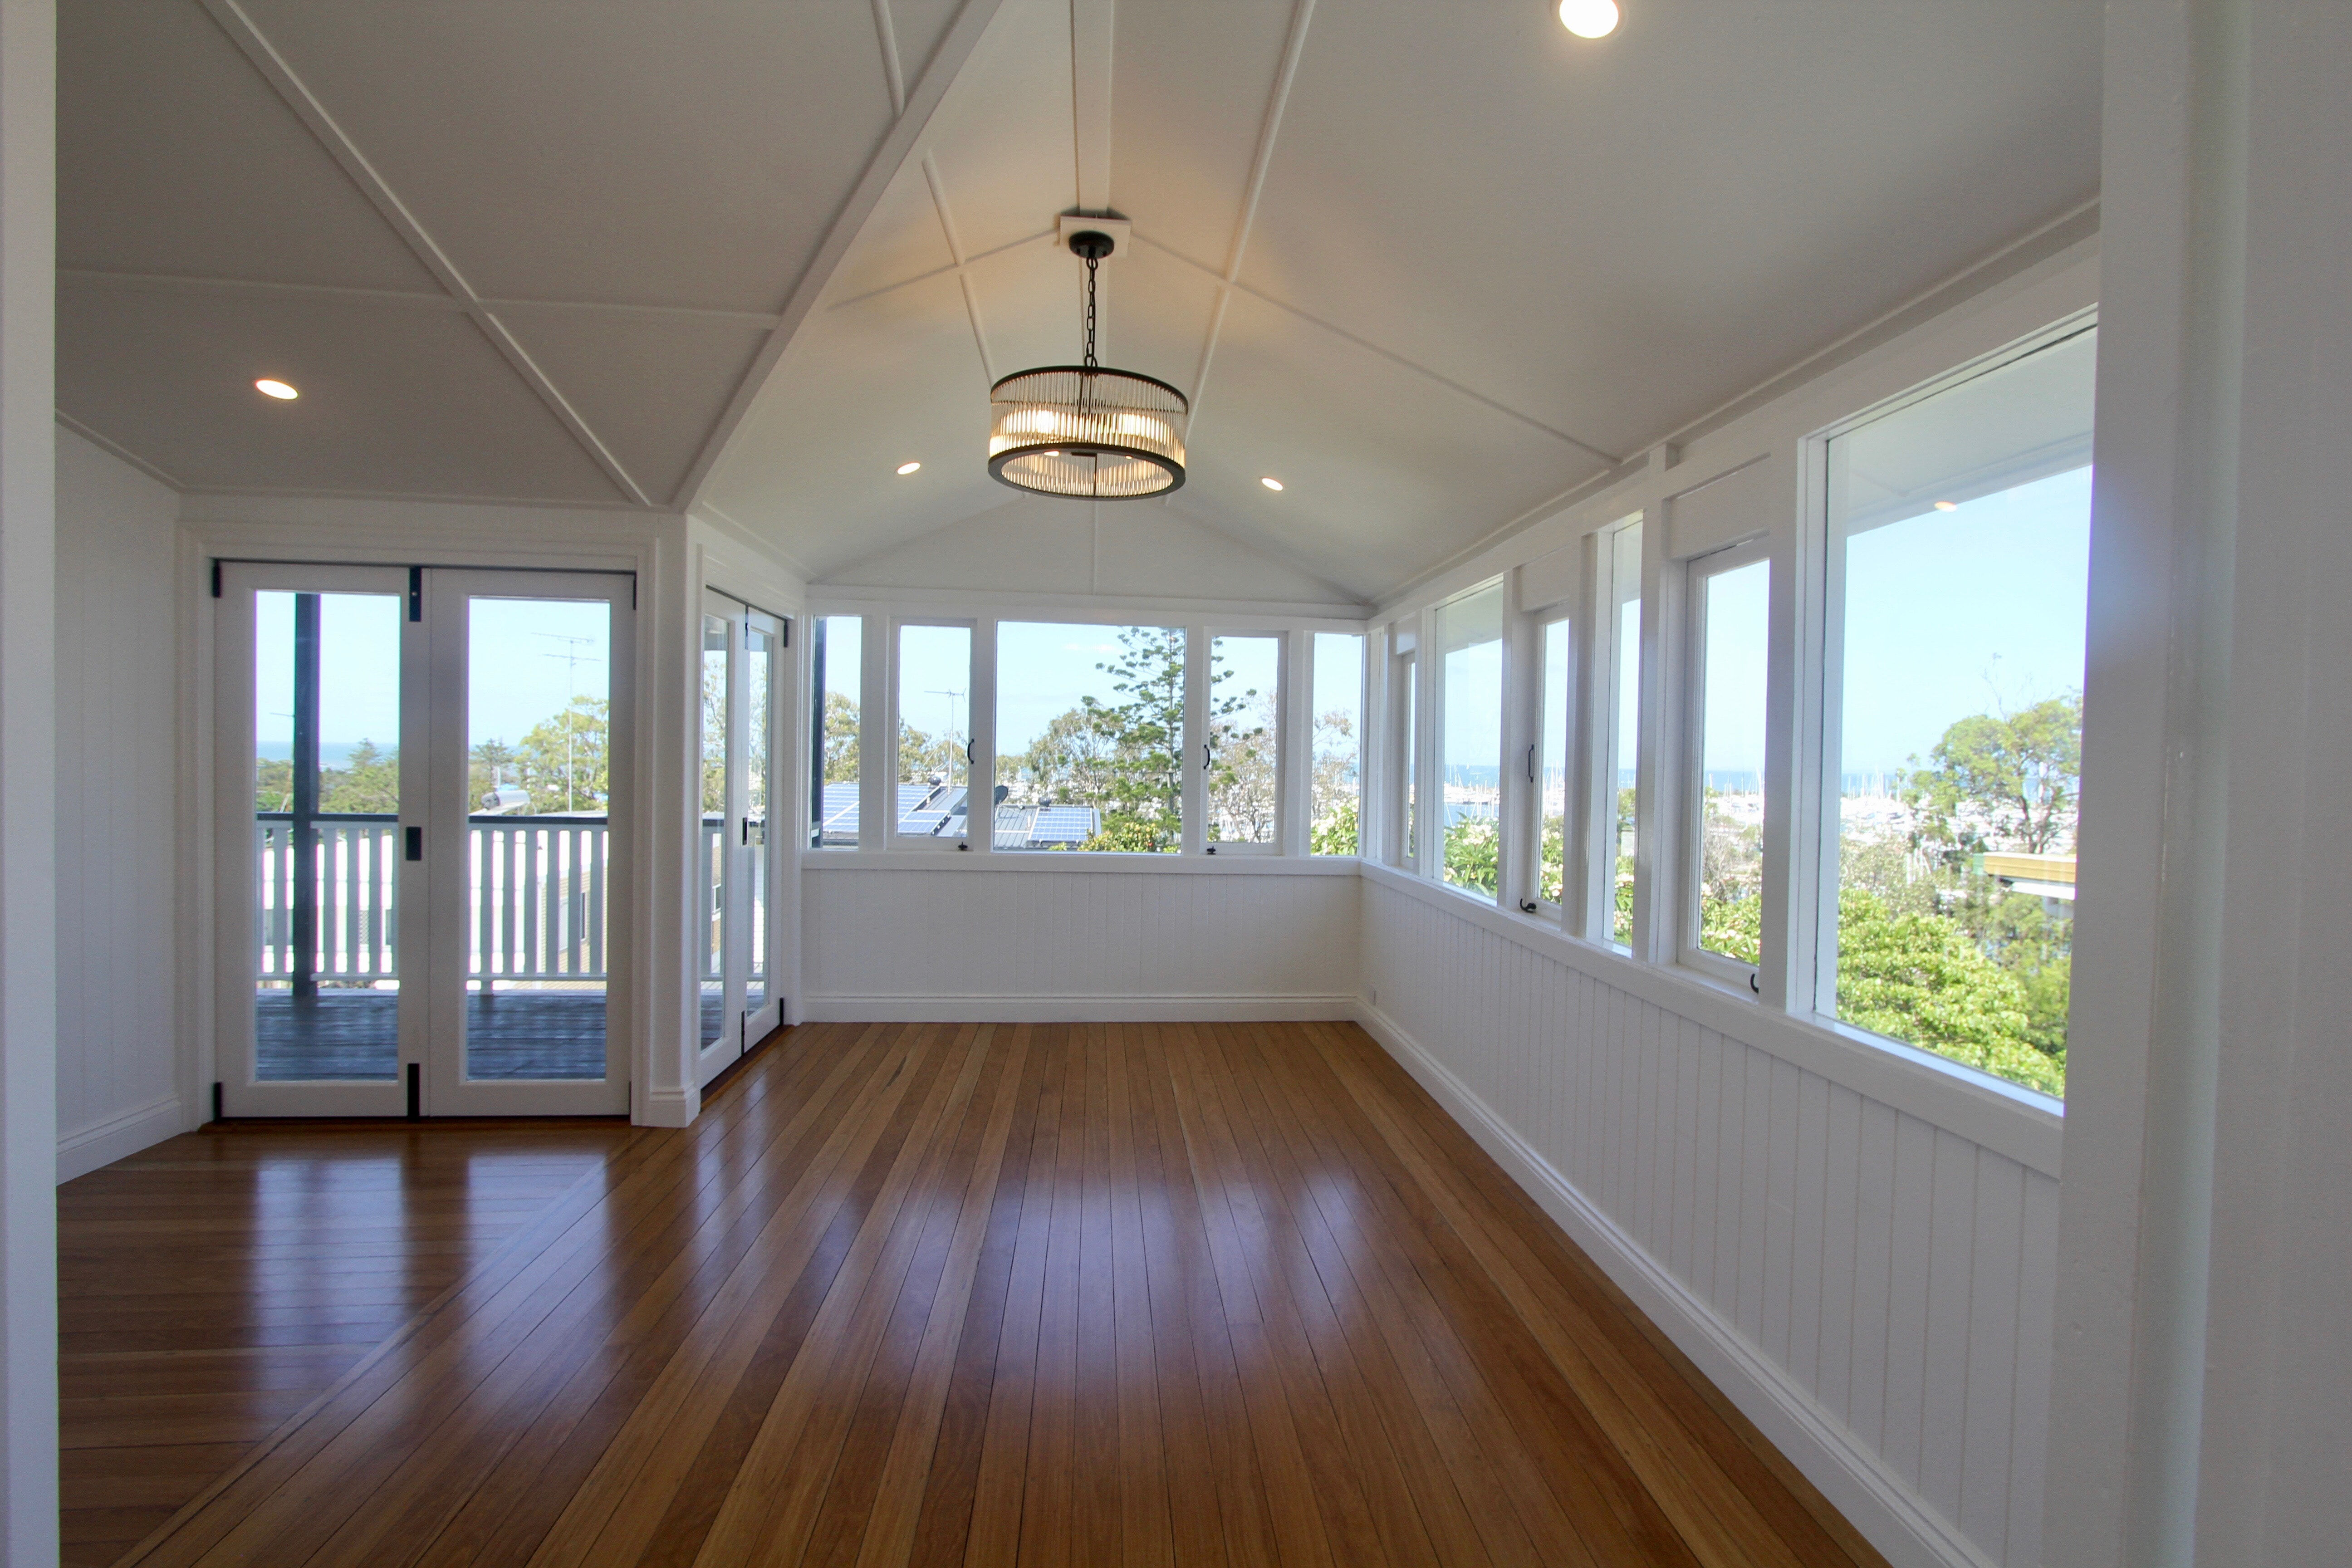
(216, 1099)
(217, 574)
(415, 1091)
(416, 593)
(416, 845)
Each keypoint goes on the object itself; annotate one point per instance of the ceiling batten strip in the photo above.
(1294, 45)
(1227, 286)
(885, 34)
(948, 59)
(250, 41)
(962, 270)
(257, 289)
(115, 448)
(1042, 235)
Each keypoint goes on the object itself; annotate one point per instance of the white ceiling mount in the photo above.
(1119, 229)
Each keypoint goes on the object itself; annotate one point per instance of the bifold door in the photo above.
(738, 858)
(423, 871)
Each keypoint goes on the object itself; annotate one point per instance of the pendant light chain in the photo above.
(1093, 263)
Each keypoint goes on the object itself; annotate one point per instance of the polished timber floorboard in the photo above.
(1071, 1294)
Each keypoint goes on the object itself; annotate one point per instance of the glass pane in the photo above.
(1245, 782)
(1470, 736)
(1336, 788)
(1089, 737)
(1962, 526)
(710, 856)
(326, 824)
(1731, 761)
(1412, 736)
(839, 679)
(1551, 769)
(759, 713)
(934, 713)
(1623, 737)
(539, 738)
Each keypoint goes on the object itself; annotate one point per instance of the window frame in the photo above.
(1603, 687)
(1690, 769)
(1433, 747)
(929, 842)
(1536, 624)
(1309, 663)
(1197, 729)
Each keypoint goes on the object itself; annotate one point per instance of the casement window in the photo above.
(1403, 747)
(931, 711)
(836, 682)
(1546, 816)
(1241, 750)
(1090, 737)
(1465, 805)
(1958, 533)
(1336, 735)
(1612, 823)
(1722, 850)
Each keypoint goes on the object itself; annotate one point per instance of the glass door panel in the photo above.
(312, 752)
(759, 692)
(528, 844)
(713, 845)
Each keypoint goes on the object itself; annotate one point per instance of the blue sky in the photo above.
(520, 667)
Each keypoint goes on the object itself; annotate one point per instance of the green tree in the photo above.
(840, 738)
(487, 765)
(1144, 791)
(1332, 785)
(565, 761)
(2010, 781)
(369, 781)
(1474, 854)
(1244, 787)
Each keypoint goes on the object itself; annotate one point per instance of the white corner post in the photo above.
(2201, 1367)
(28, 901)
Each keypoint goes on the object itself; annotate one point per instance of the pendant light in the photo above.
(1082, 431)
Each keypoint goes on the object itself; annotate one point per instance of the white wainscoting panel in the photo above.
(1873, 1290)
(1035, 943)
(119, 1069)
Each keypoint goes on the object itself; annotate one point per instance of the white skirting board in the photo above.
(668, 1107)
(85, 1149)
(1077, 1009)
(1885, 1510)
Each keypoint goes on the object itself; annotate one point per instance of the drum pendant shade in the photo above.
(1084, 431)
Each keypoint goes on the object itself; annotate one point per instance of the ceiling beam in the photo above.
(1092, 23)
(898, 147)
(274, 69)
(885, 34)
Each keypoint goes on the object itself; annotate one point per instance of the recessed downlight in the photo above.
(1271, 483)
(277, 389)
(1948, 505)
(909, 468)
(1588, 18)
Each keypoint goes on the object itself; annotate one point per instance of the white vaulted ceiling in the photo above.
(1430, 265)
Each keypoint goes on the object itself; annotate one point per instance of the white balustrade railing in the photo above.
(536, 909)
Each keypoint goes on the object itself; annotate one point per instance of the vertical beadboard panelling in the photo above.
(1896, 1272)
(118, 1059)
(1027, 933)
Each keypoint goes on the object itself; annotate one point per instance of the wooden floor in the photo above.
(1078, 1294)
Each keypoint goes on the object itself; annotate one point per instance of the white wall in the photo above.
(1097, 941)
(1873, 1287)
(123, 1083)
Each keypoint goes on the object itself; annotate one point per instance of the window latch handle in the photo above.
(1531, 764)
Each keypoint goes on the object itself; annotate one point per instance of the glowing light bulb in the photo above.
(1271, 483)
(1948, 505)
(909, 468)
(1588, 18)
(277, 389)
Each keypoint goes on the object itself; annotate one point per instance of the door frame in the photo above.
(447, 1091)
(741, 1027)
(240, 1091)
